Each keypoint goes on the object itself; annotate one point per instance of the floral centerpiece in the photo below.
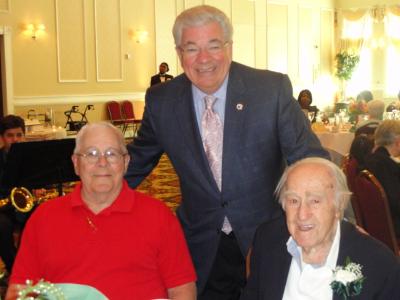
(357, 108)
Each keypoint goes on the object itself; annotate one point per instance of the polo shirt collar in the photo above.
(123, 203)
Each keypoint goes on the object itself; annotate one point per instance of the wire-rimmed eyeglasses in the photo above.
(93, 155)
(213, 48)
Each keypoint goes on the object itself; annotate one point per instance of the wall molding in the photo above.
(75, 99)
(98, 75)
(7, 8)
(7, 69)
(85, 79)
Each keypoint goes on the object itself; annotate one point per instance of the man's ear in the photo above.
(127, 159)
(74, 159)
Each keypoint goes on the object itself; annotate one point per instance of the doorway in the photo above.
(6, 78)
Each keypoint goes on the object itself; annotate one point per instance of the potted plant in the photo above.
(345, 64)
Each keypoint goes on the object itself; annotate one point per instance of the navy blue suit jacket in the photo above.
(270, 263)
(264, 129)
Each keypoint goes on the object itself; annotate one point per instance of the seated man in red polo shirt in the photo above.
(105, 235)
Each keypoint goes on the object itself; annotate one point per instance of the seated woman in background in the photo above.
(361, 147)
(383, 165)
(305, 100)
(365, 95)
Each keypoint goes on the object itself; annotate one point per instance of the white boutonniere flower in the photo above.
(348, 280)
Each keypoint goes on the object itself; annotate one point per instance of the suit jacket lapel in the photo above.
(235, 110)
(186, 117)
(277, 284)
(279, 262)
(345, 242)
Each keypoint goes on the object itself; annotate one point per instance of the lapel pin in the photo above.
(239, 106)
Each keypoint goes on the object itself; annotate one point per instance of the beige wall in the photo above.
(82, 57)
(363, 3)
(35, 61)
(71, 62)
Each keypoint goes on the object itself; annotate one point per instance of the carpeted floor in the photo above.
(163, 184)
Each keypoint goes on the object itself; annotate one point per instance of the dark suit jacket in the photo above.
(270, 263)
(156, 78)
(387, 171)
(264, 129)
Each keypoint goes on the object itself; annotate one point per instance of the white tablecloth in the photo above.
(338, 141)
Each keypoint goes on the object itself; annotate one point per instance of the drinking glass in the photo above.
(311, 115)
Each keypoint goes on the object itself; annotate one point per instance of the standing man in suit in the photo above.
(228, 156)
(295, 258)
(162, 76)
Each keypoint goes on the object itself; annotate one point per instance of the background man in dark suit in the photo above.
(162, 76)
(294, 258)
(256, 128)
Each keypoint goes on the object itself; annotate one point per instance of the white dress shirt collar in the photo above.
(309, 282)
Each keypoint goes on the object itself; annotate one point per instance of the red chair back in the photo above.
(375, 211)
(114, 113)
(127, 109)
(350, 167)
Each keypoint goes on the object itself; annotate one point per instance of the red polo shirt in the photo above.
(134, 249)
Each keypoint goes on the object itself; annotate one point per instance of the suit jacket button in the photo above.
(224, 204)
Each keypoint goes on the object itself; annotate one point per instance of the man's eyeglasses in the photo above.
(213, 48)
(112, 156)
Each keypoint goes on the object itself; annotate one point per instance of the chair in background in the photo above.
(129, 116)
(350, 169)
(368, 129)
(374, 208)
(115, 115)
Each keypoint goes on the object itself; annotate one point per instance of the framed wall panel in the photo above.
(224, 5)
(71, 41)
(165, 12)
(260, 38)
(191, 3)
(306, 45)
(5, 6)
(108, 35)
(327, 41)
(243, 21)
(277, 37)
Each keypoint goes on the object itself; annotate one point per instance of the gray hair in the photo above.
(104, 125)
(376, 108)
(387, 132)
(199, 16)
(342, 192)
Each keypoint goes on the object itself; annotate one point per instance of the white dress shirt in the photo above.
(310, 282)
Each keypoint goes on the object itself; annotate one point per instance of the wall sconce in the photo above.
(140, 36)
(35, 29)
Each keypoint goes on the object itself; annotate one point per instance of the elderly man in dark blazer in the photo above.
(295, 257)
(228, 157)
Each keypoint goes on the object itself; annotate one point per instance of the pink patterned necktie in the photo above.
(212, 141)
(212, 138)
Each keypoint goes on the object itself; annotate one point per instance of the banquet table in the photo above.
(337, 141)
